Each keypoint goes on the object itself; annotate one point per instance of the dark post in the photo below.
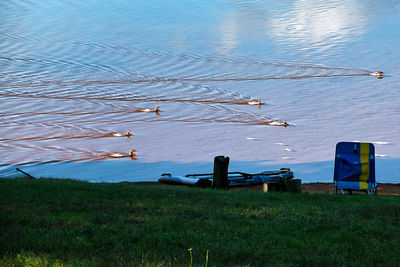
(220, 175)
(27, 174)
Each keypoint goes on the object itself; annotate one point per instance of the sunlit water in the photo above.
(72, 73)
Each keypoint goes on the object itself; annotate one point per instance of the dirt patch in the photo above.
(327, 188)
(383, 189)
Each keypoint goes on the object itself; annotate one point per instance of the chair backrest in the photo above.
(355, 164)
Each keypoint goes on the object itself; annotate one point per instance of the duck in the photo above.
(278, 123)
(255, 102)
(122, 155)
(127, 134)
(376, 74)
(156, 109)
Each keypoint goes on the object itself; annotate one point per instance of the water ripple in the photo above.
(66, 83)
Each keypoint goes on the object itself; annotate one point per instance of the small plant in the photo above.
(191, 257)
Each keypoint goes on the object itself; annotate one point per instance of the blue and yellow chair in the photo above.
(355, 167)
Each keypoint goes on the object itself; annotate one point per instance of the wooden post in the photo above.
(266, 187)
(220, 175)
(287, 185)
(293, 185)
(272, 186)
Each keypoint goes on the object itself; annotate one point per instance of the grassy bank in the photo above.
(56, 222)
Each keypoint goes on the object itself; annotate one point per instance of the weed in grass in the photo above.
(191, 257)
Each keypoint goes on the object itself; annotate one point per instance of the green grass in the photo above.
(50, 222)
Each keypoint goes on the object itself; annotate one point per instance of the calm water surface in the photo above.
(72, 73)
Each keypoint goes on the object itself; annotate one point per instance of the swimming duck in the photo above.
(376, 74)
(127, 133)
(156, 109)
(255, 102)
(278, 123)
(122, 155)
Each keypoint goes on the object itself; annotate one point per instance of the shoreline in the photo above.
(392, 189)
(315, 188)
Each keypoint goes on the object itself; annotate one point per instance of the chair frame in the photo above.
(358, 161)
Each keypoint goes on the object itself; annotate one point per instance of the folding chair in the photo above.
(355, 167)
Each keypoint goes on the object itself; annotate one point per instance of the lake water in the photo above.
(74, 72)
